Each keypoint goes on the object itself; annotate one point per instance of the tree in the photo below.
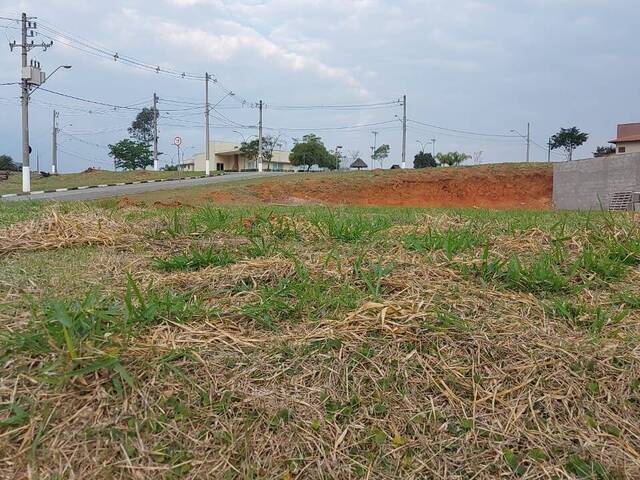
(604, 151)
(250, 149)
(142, 127)
(381, 153)
(7, 163)
(424, 160)
(311, 151)
(451, 159)
(568, 139)
(130, 155)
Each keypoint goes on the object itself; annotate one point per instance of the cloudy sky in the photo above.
(467, 66)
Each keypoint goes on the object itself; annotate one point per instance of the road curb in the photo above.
(84, 187)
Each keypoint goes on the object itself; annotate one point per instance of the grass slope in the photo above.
(318, 343)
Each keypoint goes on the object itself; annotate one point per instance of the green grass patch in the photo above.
(451, 241)
(195, 260)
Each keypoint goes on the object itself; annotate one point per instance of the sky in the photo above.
(472, 70)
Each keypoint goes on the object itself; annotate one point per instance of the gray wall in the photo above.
(586, 184)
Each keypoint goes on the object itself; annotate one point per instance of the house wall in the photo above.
(280, 160)
(589, 184)
(629, 147)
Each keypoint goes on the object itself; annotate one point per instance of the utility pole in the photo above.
(207, 163)
(155, 132)
(404, 132)
(549, 152)
(528, 141)
(54, 144)
(31, 75)
(260, 140)
(373, 149)
(434, 147)
(26, 174)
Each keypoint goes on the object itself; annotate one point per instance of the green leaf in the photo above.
(514, 461)
(586, 468)
(538, 454)
(19, 417)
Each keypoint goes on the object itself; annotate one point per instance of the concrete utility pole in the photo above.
(528, 141)
(549, 152)
(30, 75)
(260, 140)
(404, 132)
(207, 163)
(155, 132)
(26, 174)
(54, 144)
(434, 147)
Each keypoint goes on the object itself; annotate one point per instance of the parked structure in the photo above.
(226, 156)
(628, 139)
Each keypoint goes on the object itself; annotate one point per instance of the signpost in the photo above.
(177, 142)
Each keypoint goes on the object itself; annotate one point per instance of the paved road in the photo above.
(116, 191)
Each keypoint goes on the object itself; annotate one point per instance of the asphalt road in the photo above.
(117, 191)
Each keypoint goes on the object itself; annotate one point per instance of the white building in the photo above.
(226, 156)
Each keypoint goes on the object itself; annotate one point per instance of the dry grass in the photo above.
(430, 372)
(57, 231)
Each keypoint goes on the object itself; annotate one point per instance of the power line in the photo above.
(365, 106)
(93, 49)
(466, 132)
(422, 130)
(345, 127)
(95, 102)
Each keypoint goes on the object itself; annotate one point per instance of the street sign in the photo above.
(177, 141)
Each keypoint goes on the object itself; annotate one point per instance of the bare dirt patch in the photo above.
(499, 187)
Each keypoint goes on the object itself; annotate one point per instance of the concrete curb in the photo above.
(84, 187)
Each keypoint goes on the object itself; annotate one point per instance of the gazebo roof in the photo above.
(359, 163)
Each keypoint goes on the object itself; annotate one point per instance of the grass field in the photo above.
(98, 177)
(314, 342)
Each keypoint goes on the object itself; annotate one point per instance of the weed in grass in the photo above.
(261, 247)
(451, 241)
(348, 228)
(195, 260)
(541, 274)
(153, 307)
(298, 297)
(445, 321)
(372, 274)
(173, 225)
(580, 316)
(602, 265)
(18, 416)
(514, 461)
(212, 218)
(585, 468)
(628, 299)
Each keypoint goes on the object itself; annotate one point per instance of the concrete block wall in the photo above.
(588, 184)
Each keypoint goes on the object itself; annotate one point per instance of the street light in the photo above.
(424, 145)
(230, 94)
(526, 137)
(67, 67)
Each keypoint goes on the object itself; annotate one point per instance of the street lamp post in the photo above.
(527, 138)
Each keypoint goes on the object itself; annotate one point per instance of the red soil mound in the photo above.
(496, 187)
